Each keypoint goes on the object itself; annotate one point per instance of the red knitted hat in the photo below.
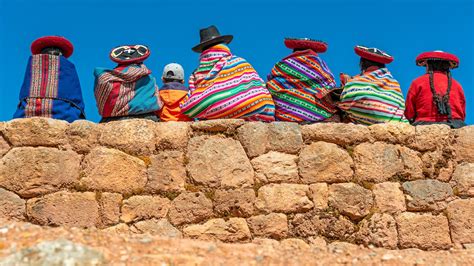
(373, 54)
(306, 43)
(52, 41)
(129, 54)
(437, 55)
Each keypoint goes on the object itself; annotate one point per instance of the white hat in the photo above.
(173, 71)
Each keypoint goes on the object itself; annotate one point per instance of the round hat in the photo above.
(129, 54)
(52, 41)
(210, 36)
(373, 54)
(437, 55)
(306, 43)
(173, 71)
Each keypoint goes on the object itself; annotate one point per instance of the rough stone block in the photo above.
(325, 162)
(71, 209)
(319, 193)
(219, 162)
(396, 133)
(274, 225)
(286, 198)
(389, 197)
(156, 227)
(167, 172)
(227, 126)
(254, 138)
(233, 230)
(31, 172)
(190, 207)
(351, 199)
(428, 138)
(111, 170)
(236, 202)
(276, 167)
(172, 135)
(325, 224)
(36, 131)
(379, 230)
(337, 133)
(461, 220)
(463, 179)
(423, 231)
(83, 135)
(285, 137)
(4, 146)
(427, 195)
(109, 208)
(144, 207)
(132, 136)
(464, 144)
(12, 207)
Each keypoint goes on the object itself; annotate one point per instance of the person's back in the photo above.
(172, 93)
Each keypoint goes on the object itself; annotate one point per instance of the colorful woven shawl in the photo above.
(227, 86)
(126, 90)
(372, 98)
(50, 88)
(300, 86)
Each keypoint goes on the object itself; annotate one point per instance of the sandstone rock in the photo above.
(389, 197)
(319, 193)
(438, 165)
(12, 207)
(218, 125)
(254, 138)
(293, 244)
(285, 137)
(109, 208)
(276, 167)
(379, 230)
(219, 162)
(144, 207)
(428, 138)
(233, 230)
(351, 199)
(166, 172)
(412, 164)
(325, 162)
(83, 135)
(286, 198)
(317, 243)
(4, 146)
(274, 225)
(190, 207)
(461, 220)
(31, 172)
(396, 133)
(156, 227)
(132, 136)
(337, 133)
(267, 242)
(464, 144)
(329, 225)
(423, 231)
(72, 209)
(376, 162)
(236, 202)
(172, 135)
(120, 228)
(463, 179)
(427, 195)
(113, 171)
(36, 131)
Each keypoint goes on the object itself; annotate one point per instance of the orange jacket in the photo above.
(171, 94)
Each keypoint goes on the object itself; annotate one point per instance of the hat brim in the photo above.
(52, 41)
(221, 39)
(129, 61)
(441, 56)
(317, 46)
(373, 56)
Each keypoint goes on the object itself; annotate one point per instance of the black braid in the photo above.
(446, 97)
(441, 102)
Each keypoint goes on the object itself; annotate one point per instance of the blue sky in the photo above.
(403, 28)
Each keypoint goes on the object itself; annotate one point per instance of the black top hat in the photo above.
(209, 37)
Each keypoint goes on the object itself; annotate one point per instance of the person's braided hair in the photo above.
(440, 101)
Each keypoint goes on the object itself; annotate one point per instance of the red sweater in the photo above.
(419, 102)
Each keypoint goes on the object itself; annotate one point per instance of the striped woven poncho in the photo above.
(300, 85)
(227, 86)
(372, 98)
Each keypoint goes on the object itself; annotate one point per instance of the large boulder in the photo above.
(36, 131)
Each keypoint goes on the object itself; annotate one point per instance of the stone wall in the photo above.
(391, 186)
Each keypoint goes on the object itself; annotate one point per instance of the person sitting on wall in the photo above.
(224, 85)
(51, 87)
(172, 93)
(374, 96)
(129, 90)
(301, 84)
(435, 97)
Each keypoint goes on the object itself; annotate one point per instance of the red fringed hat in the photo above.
(373, 54)
(306, 43)
(52, 41)
(437, 55)
(129, 54)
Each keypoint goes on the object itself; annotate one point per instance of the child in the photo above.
(172, 93)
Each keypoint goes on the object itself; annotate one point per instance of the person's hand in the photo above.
(344, 78)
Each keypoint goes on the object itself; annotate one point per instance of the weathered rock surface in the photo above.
(463, 179)
(36, 132)
(83, 135)
(228, 126)
(4, 146)
(166, 172)
(351, 199)
(329, 225)
(325, 162)
(274, 225)
(285, 198)
(319, 193)
(144, 207)
(172, 135)
(276, 167)
(254, 138)
(233, 230)
(109, 208)
(192, 207)
(11, 205)
(132, 136)
(464, 144)
(285, 137)
(379, 230)
(219, 162)
(156, 227)
(389, 197)
(235, 202)
(430, 137)
(31, 172)
(461, 220)
(427, 195)
(337, 133)
(395, 133)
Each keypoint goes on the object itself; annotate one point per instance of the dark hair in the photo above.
(438, 65)
(166, 80)
(365, 63)
(52, 51)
